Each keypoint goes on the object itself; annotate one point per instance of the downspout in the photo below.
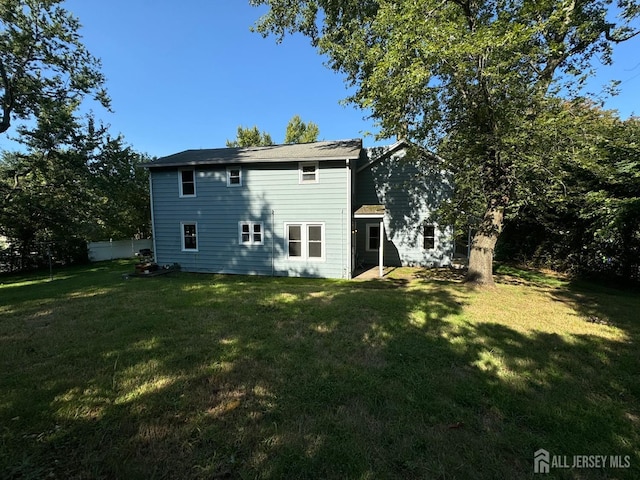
(344, 267)
(381, 250)
(153, 219)
(273, 226)
(348, 226)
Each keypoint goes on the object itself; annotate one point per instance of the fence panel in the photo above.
(110, 250)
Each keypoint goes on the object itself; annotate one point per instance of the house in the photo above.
(320, 209)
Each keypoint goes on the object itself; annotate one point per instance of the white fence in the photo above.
(111, 250)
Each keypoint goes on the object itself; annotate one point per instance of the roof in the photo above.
(369, 211)
(316, 151)
(377, 154)
(385, 152)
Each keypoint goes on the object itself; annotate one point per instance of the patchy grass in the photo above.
(415, 376)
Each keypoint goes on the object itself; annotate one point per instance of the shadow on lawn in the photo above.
(278, 378)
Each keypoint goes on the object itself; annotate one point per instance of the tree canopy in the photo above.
(299, 132)
(471, 79)
(296, 131)
(250, 137)
(591, 224)
(73, 183)
(42, 59)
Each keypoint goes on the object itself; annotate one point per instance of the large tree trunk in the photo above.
(482, 247)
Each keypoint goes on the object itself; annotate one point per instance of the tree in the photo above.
(592, 225)
(250, 137)
(42, 59)
(297, 132)
(300, 132)
(121, 192)
(46, 192)
(73, 183)
(469, 78)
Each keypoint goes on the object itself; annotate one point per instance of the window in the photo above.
(189, 236)
(294, 237)
(314, 241)
(305, 241)
(251, 233)
(308, 172)
(373, 237)
(187, 183)
(429, 237)
(234, 177)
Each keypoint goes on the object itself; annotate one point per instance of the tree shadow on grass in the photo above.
(237, 377)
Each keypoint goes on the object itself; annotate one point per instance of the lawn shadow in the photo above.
(245, 377)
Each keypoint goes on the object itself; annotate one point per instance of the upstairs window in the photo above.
(428, 237)
(308, 172)
(189, 236)
(234, 177)
(251, 233)
(187, 182)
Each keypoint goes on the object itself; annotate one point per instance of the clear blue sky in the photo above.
(185, 74)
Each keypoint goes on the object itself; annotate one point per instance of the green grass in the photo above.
(416, 376)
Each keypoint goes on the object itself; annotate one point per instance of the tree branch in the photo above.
(611, 38)
(8, 99)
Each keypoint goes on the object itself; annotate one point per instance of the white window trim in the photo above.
(182, 194)
(304, 226)
(184, 249)
(232, 185)
(301, 166)
(368, 237)
(435, 236)
(251, 225)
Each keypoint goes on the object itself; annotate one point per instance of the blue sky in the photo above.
(185, 74)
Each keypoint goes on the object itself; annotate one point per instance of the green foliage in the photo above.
(49, 195)
(589, 221)
(73, 184)
(297, 132)
(121, 186)
(250, 137)
(42, 59)
(300, 132)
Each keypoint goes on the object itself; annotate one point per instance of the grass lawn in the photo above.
(416, 376)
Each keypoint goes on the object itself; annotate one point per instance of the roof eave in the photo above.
(399, 145)
(247, 161)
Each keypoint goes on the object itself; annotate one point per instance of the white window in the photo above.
(294, 241)
(187, 182)
(373, 237)
(428, 236)
(251, 233)
(315, 241)
(308, 172)
(305, 241)
(189, 233)
(234, 177)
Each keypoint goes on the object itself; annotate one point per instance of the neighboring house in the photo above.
(317, 209)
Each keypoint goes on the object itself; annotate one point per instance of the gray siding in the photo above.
(270, 194)
(411, 190)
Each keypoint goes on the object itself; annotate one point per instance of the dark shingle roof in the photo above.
(317, 151)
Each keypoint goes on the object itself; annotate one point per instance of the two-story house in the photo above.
(320, 209)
